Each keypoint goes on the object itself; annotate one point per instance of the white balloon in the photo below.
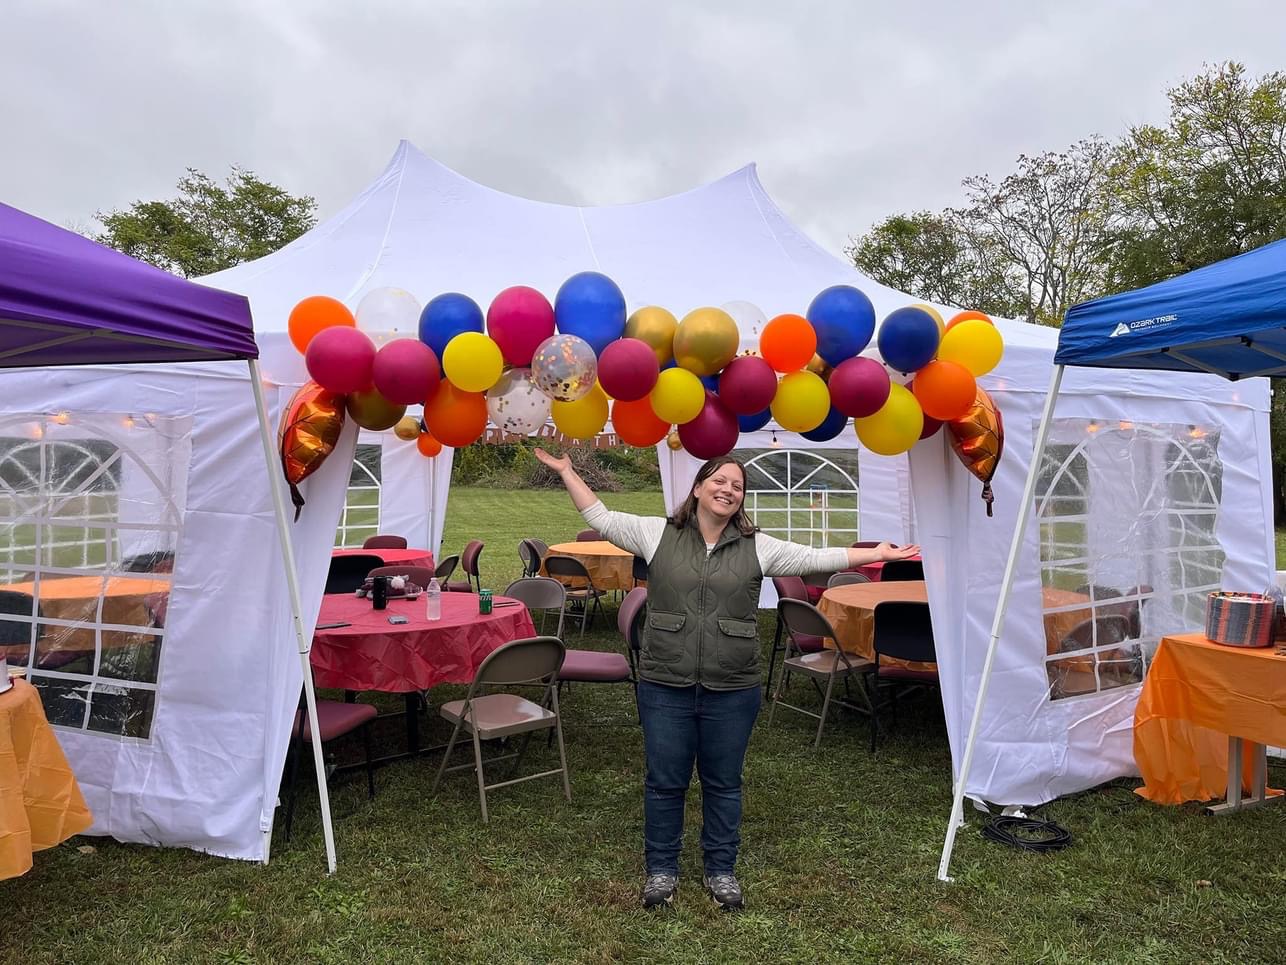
(515, 404)
(389, 311)
(750, 319)
(901, 378)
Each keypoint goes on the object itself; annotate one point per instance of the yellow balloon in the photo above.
(802, 402)
(975, 344)
(407, 428)
(678, 396)
(584, 418)
(934, 314)
(655, 326)
(896, 427)
(706, 340)
(472, 362)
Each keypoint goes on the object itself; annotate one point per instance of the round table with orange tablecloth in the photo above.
(128, 601)
(609, 566)
(851, 610)
(1200, 705)
(40, 802)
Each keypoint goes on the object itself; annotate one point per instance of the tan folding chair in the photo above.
(580, 588)
(533, 662)
(805, 619)
(540, 593)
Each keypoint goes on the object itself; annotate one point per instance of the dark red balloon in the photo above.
(713, 433)
(931, 425)
(747, 385)
(628, 369)
(859, 387)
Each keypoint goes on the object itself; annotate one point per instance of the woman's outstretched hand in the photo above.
(559, 464)
(888, 552)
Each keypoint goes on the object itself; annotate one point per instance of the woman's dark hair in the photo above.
(688, 509)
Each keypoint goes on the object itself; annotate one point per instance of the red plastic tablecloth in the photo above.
(410, 557)
(373, 654)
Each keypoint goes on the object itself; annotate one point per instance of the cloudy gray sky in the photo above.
(852, 110)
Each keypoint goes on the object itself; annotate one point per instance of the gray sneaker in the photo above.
(726, 891)
(658, 891)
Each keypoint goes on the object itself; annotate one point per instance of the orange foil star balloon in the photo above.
(978, 438)
(309, 430)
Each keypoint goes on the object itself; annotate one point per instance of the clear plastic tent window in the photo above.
(361, 516)
(1127, 516)
(807, 496)
(91, 509)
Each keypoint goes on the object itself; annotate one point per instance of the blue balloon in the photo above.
(668, 363)
(844, 320)
(831, 426)
(590, 306)
(749, 423)
(711, 382)
(908, 339)
(445, 317)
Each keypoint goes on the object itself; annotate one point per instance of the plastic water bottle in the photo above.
(433, 600)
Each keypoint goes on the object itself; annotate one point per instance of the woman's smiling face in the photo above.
(722, 492)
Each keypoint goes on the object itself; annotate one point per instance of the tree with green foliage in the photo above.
(209, 226)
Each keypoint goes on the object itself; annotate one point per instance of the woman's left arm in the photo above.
(779, 557)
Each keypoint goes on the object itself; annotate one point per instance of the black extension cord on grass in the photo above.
(1026, 834)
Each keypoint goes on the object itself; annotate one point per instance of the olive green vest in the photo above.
(701, 611)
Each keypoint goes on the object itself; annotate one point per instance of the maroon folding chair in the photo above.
(385, 543)
(472, 582)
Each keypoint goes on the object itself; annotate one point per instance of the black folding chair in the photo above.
(348, 573)
(903, 631)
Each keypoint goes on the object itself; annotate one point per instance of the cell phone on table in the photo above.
(398, 619)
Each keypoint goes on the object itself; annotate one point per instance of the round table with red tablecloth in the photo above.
(408, 557)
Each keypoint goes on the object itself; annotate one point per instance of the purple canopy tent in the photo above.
(67, 300)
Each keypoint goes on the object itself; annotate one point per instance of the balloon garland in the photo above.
(697, 382)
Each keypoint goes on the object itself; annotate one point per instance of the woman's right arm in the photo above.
(641, 535)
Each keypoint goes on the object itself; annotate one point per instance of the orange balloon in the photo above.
(967, 316)
(978, 438)
(427, 445)
(312, 315)
(637, 424)
(310, 428)
(788, 342)
(945, 390)
(456, 418)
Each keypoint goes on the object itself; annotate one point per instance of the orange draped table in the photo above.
(851, 610)
(1203, 720)
(609, 566)
(127, 601)
(40, 802)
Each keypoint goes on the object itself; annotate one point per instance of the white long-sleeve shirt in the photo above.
(641, 535)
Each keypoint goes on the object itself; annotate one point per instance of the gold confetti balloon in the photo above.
(706, 340)
(564, 367)
(655, 326)
(515, 403)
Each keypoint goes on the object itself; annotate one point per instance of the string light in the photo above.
(1196, 432)
(1125, 426)
(1093, 427)
(128, 422)
(62, 418)
(775, 443)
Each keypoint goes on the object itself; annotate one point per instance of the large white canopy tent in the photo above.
(422, 227)
(114, 452)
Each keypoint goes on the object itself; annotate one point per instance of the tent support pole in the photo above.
(998, 621)
(296, 608)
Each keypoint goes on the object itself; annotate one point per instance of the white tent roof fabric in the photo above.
(424, 228)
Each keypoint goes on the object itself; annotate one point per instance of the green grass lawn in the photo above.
(838, 858)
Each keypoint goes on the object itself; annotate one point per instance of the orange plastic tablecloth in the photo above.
(609, 566)
(1197, 694)
(40, 802)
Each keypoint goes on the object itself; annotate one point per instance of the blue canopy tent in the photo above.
(1226, 319)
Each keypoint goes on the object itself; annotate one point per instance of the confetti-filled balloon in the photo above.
(389, 311)
(750, 319)
(655, 326)
(515, 404)
(310, 428)
(564, 368)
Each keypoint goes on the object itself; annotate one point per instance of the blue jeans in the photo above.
(712, 728)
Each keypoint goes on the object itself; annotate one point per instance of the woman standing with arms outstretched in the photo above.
(699, 678)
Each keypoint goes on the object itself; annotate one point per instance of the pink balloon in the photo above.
(406, 371)
(747, 385)
(339, 359)
(859, 387)
(713, 433)
(519, 319)
(628, 369)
